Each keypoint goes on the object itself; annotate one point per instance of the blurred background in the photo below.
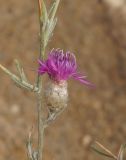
(95, 30)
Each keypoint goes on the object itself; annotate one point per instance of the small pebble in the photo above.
(87, 139)
(15, 109)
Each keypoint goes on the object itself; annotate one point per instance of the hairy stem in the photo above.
(40, 126)
(40, 106)
(43, 21)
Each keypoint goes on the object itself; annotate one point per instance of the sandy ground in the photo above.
(96, 34)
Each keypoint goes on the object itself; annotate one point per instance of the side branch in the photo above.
(18, 81)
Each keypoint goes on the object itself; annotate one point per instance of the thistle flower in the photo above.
(60, 67)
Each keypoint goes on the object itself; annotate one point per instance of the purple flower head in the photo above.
(61, 66)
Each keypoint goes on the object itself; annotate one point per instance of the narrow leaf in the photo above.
(102, 153)
(52, 26)
(121, 152)
(106, 150)
(51, 9)
(44, 16)
(29, 146)
(17, 80)
(12, 76)
(54, 10)
(20, 70)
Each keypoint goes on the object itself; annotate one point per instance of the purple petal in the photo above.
(61, 66)
(43, 67)
(82, 79)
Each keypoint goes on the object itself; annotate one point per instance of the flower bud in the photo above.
(56, 95)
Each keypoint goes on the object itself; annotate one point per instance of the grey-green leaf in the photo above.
(101, 153)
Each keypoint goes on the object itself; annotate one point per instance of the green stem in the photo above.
(39, 84)
(40, 126)
(40, 106)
